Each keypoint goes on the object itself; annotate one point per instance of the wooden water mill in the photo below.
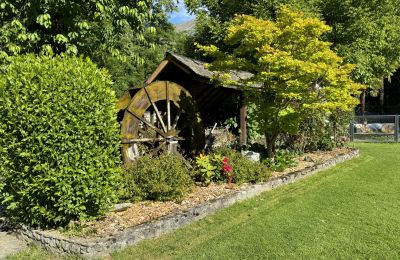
(170, 112)
(161, 117)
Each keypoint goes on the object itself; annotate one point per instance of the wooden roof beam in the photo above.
(157, 72)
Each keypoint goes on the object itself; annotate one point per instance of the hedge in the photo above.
(59, 140)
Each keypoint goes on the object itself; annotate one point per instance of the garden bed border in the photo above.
(169, 223)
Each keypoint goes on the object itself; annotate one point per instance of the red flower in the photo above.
(228, 168)
(225, 160)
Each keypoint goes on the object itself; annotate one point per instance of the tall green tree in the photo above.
(295, 72)
(213, 16)
(130, 74)
(76, 26)
(365, 32)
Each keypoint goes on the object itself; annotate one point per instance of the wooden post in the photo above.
(382, 97)
(352, 130)
(243, 125)
(396, 128)
(362, 102)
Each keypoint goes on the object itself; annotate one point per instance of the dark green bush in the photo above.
(244, 170)
(156, 178)
(59, 140)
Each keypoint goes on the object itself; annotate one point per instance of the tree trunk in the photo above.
(271, 144)
(362, 102)
(382, 97)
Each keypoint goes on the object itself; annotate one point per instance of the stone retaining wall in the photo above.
(133, 235)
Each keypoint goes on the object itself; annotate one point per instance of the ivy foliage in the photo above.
(59, 140)
(294, 71)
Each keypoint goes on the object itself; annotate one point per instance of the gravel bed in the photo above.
(142, 212)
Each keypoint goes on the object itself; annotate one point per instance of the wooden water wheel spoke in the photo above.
(142, 131)
(161, 117)
(182, 127)
(150, 140)
(148, 124)
(143, 140)
(161, 146)
(157, 111)
(168, 108)
(176, 119)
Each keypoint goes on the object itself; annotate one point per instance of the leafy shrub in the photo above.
(59, 140)
(244, 170)
(209, 168)
(156, 178)
(320, 131)
(282, 160)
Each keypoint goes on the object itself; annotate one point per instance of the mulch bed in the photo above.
(146, 211)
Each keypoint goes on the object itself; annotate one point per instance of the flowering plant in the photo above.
(227, 170)
(206, 168)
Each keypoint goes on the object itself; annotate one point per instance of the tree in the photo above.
(365, 32)
(77, 26)
(295, 73)
(213, 16)
(128, 73)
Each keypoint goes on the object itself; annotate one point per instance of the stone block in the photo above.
(253, 156)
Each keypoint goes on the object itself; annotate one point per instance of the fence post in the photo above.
(352, 130)
(396, 128)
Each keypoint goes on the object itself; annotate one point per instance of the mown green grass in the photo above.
(349, 212)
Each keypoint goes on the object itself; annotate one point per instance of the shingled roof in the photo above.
(196, 67)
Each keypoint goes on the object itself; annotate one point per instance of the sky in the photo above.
(181, 15)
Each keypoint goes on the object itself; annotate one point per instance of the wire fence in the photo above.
(375, 128)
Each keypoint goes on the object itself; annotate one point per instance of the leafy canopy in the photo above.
(294, 71)
(76, 26)
(364, 32)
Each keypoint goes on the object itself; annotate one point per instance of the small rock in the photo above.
(121, 207)
(253, 156)
(308, 159)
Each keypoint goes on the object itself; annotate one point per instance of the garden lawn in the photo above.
(350, 211)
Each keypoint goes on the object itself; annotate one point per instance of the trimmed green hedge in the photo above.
(59, 140)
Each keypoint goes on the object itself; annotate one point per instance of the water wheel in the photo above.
(161, 117)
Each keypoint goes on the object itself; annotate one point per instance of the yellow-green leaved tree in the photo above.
(295, 73)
